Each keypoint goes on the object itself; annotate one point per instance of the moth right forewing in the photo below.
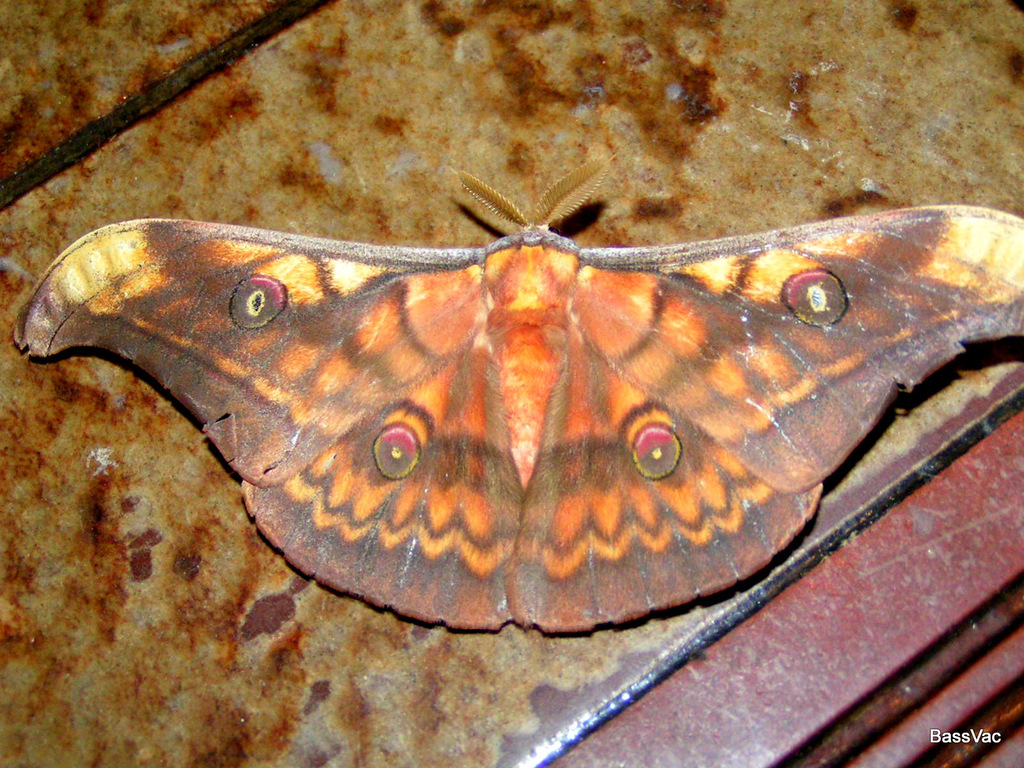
(791, 391)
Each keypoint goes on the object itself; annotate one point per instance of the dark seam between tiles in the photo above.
(97, 133)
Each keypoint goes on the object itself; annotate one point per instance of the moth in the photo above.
(535, 432)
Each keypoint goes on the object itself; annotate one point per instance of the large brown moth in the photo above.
(533, 431)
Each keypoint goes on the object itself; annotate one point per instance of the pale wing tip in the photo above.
(76, 276)
(987, 239)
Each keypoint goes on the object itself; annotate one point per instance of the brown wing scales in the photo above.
(380, 407)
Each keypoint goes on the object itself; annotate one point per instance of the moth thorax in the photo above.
(532, 280)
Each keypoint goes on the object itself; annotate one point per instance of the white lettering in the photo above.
(937, 736)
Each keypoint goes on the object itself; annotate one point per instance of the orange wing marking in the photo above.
(299, 275)
(770, 270)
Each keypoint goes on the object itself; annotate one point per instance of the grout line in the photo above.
(97, 133)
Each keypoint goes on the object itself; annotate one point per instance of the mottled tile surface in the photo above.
(65, 64)
(143, 620)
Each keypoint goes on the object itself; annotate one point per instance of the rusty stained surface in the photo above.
(142, 618)
(65, 64)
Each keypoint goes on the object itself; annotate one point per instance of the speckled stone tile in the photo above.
(143, 620)
(64, 64)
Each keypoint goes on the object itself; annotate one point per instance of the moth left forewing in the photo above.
(171, 295)
(786, 347)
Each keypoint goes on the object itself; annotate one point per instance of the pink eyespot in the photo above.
(257, 300)
(816, 297)
(396, 451)
(656, 451)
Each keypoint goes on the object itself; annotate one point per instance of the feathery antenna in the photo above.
(569, 193)
(493, 200)
(560, 200)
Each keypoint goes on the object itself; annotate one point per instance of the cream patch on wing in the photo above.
(840, 243)
(994, 244)
(769, 272)
(299, 275)
(347, 277)
(233, 253)
(93, 262)
(717, 275)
